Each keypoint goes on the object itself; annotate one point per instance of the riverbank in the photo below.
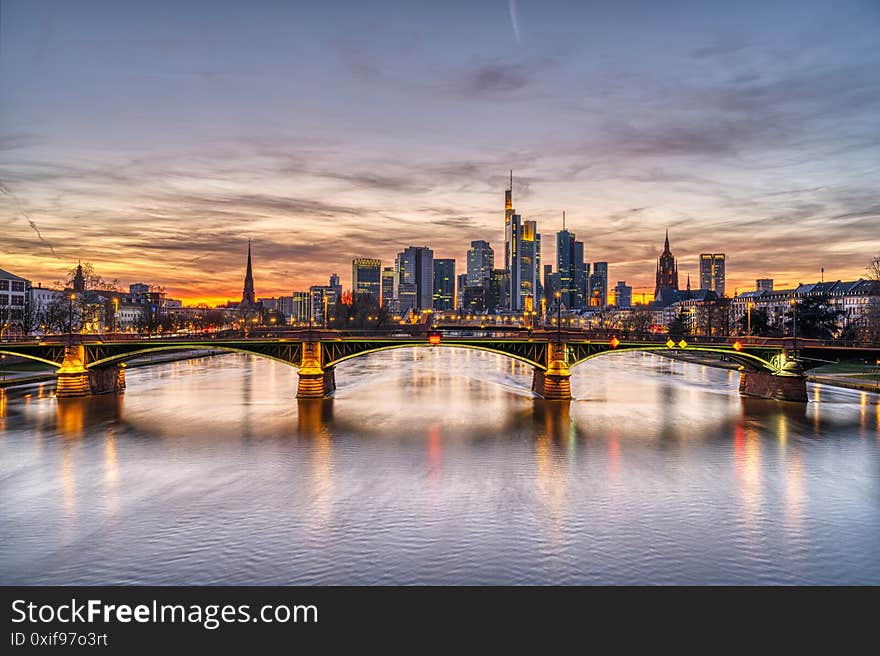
(18, 377)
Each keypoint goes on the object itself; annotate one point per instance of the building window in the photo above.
(4, 299)
(4, 284)
(17, 285)
(18, 300)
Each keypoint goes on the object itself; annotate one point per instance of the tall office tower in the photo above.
(480, 262)
(549, 290)
(366, 277)
(416, 269)
(512, 239)
(623, 295)
(667, 272)
(443, 295)
(572, 270)
(529, 277)
(387, 286)
(337, 286)
(495, 300)
(581, 277)
(712, 272)
(599, 285)
(764, 284)
(461, 287)
(539, 284)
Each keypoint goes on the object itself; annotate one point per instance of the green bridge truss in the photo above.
(335, 351)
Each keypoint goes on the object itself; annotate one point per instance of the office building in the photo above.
(366, 277)
(712, 272)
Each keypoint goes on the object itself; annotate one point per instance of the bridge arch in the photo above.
(294, 351)
(535, 357)
(747, 360)
(35, 358)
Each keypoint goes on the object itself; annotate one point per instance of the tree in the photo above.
(760, 323)
(639, 320)
(816, 318)
(363, 313)
(678, 327)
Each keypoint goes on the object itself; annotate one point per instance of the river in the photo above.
(436, 466)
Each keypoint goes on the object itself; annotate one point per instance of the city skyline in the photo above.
(751, 133)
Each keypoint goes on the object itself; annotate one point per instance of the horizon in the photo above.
(155, 148)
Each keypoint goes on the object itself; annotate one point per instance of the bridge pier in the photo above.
(782, 387)
(74, 379)
(554, 382)
(315, 382)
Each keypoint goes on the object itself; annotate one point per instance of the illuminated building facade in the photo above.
(712, 272)
(599, 285)
(444, 284)
(366, 277)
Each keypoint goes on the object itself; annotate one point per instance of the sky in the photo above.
(154, 139)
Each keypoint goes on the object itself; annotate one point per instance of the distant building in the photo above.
(667, 275)
(461, 286)
(294, 308)
(13, 300)
(444, 284)
(853, 298)
(388, 288)
(712, 272)
(764, 284)
(623, 295)
(366, 277)
(415, 267)
(323, 302)
(337, 286)
(480, 262)
(599, 285)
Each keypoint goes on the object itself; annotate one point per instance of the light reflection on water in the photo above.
(438, 466)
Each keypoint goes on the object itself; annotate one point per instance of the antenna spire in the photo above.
(563, 219)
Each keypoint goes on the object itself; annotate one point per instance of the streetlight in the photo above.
(70, 315)
(558, 314)
(115, 313)
(794, 322)
(749, 320)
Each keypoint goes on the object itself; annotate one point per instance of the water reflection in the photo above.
(438, 466)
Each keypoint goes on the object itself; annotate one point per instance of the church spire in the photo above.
(247, 296)
(666, 245)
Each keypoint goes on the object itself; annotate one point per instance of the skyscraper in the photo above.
(366, 277)
(667, 273)
(529, 257)
(712, 272)
(388, 287)
(480, 262)
(415, 267)
(444, 284)
(512, 238)
(623, 294)
(599, 285)
(572, 270)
